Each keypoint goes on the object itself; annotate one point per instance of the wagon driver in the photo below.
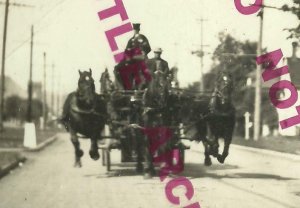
(139, 41)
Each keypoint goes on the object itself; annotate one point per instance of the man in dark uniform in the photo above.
(139, 41)
(133, 66)
(158, 65)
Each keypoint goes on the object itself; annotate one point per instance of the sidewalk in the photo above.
(198, 147)
(283, 144)
(11, 158)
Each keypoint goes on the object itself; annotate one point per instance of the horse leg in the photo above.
(221, 158)
(94, 154)
(139, 150)
(205, 133)
(207, 160)
(149, 168)
(78, 151)
(215, 147)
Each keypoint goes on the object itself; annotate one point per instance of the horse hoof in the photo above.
(94, 155)
(77, 164)
(207, 162)
(149, 173)
(148, 176)
(221, 159)
(139, 168)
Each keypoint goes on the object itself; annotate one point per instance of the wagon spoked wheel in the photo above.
(108, 162)
(103, 157)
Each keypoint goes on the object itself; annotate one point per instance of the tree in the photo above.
(16, 108)
(13, 107)
(295, 9)
(238, 59)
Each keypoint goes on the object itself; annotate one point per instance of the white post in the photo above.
(248, 125)
(30, 135)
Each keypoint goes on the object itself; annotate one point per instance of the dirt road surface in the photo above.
(248, 179)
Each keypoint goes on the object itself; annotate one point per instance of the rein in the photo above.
(87, 112)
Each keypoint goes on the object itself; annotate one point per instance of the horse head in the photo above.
(223, 89)
(86, 87)
(158, 90)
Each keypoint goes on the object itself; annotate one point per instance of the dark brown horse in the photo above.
(156, 115)
(84, 112)
(210, 112)
(194, 114)
(221, 120)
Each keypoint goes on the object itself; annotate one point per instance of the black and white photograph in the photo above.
(150, 103)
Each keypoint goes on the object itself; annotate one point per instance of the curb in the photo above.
(11, 149)
(7, 168)
(42, 145)
(268, 152)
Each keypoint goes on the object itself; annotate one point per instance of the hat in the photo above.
(157, 50)
(136, 26)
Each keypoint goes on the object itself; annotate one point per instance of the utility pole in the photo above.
(257, 106)
(58, 94)
(52, 90)
(201, 54)
(44, 94)
(7, 4)
(3, 64)
(176, 53)
(29, 110)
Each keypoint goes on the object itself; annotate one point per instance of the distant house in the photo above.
(264, 85)
(13, 88)
(293, 63)
(269, 117)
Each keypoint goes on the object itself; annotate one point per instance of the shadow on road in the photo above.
(192, 170)
(122, 169)
(200, 171)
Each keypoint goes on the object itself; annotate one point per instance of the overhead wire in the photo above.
(38, 30)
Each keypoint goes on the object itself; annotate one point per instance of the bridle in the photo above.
(86, 89)
(219, 92)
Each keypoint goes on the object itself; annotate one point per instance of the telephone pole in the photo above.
(201, 54)
(3, 64)
(29, 110)
(7, 4)
(44, 94)
(52, 90)
(257, 106)
(58, 94)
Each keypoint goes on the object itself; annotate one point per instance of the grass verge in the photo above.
(13, 137)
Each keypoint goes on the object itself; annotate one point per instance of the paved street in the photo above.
(248, 179)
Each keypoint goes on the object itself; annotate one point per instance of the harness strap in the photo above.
(92, 111)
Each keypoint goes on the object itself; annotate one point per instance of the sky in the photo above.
(73, 37)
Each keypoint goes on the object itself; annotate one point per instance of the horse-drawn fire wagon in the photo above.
(145, 115)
